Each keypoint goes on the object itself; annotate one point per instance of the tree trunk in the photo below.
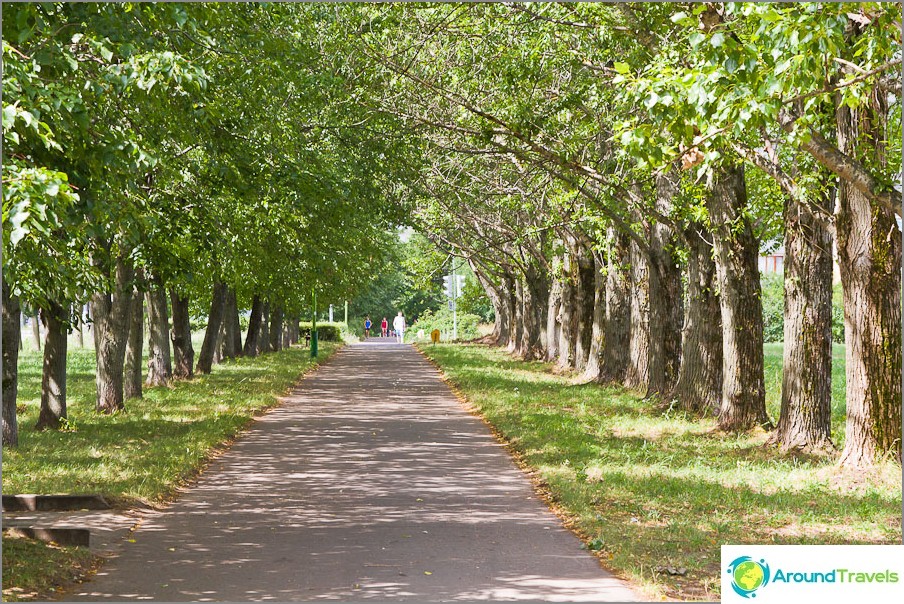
(219, 348)
(232, 337)
(586, 294)
(507, 294)
(12, 336)
(535, 290)
(36, 330)
(160, 364)
(518, 318)
(593, 368)
(666, 295)
(869, 259)
(743, 404)
(53, 380)
(552, 313)
(254, 327)
(214, 322)
(81, 324)
(183, 351)
(276, 328)
(500, 320)
(637, 375)
(111, 333)
(806, 412)
(134, 348)
(292, 330)
(699, 386)
(263, 340)
(616, 340)
(569, 311)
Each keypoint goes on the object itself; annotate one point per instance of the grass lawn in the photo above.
(141, 454)
(647, 489)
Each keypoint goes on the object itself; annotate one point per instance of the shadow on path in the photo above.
(369, 482)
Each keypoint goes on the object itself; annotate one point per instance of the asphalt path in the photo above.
(369, 482)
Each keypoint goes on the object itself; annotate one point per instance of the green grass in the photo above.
(31, 568)
(648, 489)
(139, 455)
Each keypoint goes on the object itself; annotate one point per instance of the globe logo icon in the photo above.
(748, 575)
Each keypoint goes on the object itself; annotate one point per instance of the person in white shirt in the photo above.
(398, 323)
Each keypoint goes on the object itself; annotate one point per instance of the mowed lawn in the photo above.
(649, 490)
(140, 455)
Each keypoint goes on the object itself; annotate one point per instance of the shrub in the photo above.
(441, 319)
(326, 332)
(773, 297)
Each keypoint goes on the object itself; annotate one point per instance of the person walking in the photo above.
(384, 327)
(398, 323)
(367, 326)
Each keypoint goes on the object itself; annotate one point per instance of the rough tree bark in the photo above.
(183, 351)
(869, 259)
(534, 293)
(500, 321)
(743, 404)
(593, 368)
(666, 296)
(160, 364)
(254, 327)
(53, 379)
(214, 322)
(134, 347)
(637, 375)
(232, 337)
(36, 330)
(263, 338)
(618, 309)
(698, 389)
(569, 309)
(806, 411)
(276, 329)
(111, 333)
(12, 336)
(586, 295)
(518, 317)
(552, 312)
(220, 345)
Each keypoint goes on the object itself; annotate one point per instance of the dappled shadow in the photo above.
(369, 483)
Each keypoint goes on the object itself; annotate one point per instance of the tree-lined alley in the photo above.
(610, 172)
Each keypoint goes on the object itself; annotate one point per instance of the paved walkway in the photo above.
(370, 482)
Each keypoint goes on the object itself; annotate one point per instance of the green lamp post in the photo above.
(314, 325)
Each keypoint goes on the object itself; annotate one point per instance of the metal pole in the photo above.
(314, 325)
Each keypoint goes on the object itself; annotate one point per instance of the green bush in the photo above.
(326, 332)
(837, 314)
(441, 319)
(773, 297)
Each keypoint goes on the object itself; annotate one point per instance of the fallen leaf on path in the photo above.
(427, 572)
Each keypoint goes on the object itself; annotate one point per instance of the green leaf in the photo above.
(621, 68)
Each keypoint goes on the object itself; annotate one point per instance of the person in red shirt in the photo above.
(384, 326)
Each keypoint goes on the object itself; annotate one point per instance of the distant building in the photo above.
(774, 262)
